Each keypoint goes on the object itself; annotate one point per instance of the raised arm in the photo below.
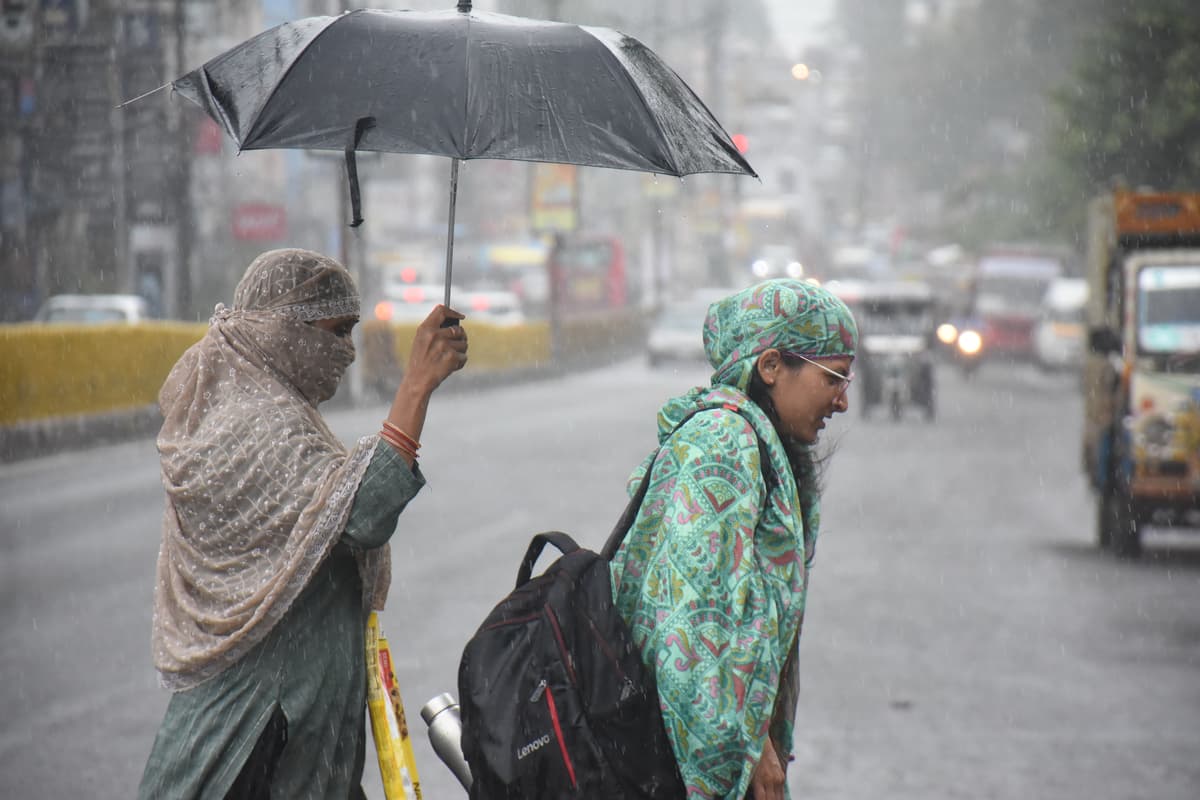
(436, 353)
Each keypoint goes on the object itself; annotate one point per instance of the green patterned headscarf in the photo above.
(785, 314)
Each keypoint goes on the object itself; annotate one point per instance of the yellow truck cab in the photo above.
(1141, 377)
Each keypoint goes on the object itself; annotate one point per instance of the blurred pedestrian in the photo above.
(713, 575)
(274, 540)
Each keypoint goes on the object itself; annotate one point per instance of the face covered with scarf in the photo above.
(258, 487)
(281, 294)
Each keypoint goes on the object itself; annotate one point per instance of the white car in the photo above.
(1059, 336)
(413, 302)
(776, 261)
(93, 308)
(677, 334)
(495, 307)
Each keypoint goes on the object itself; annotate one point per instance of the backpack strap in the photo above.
(627, 516)
(625, 522)
(561, 540)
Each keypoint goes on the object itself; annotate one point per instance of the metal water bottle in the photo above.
(445, 734)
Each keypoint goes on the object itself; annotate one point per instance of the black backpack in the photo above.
(554, 698)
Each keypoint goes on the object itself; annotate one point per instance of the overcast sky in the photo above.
(799, 23)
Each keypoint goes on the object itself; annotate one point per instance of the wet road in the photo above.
(964, 638)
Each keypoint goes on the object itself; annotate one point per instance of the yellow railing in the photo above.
(385, 348)
(49, 371)
(68, 370)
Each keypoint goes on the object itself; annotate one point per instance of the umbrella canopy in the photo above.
(465, 85)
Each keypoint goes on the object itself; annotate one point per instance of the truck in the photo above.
(1141, 372)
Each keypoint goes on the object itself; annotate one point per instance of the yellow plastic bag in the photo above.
(393, 745)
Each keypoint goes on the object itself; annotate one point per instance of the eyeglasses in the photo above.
(843, 381)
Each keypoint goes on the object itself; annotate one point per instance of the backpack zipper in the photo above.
(627, 687)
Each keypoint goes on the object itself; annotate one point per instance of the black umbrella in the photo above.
(465, 85)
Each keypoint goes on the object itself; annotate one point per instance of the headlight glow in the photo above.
(947, 333)
(970, 342)
(760, 268)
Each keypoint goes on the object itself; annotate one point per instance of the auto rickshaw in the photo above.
(897, 344)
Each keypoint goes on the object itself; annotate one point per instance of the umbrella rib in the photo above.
(143, 94)
(225, 123)
(653, 117)
(250, 132)
(211, 107)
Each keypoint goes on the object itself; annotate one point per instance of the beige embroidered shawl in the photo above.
(258, 488)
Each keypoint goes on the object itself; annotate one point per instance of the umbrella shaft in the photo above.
(450, 230)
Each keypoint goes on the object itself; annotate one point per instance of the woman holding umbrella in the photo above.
(274, 541)
(713, 575)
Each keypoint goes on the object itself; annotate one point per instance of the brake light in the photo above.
(408, 275)
(413, 294)
(383, 311)
(480, 304)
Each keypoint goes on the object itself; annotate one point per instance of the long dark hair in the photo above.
(807, 467)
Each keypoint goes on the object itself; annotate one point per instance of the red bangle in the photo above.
(410, 441)
(397, 445)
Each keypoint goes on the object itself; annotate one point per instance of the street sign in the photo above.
(554, 205)
(259, 222)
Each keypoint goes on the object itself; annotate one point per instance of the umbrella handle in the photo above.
(450, 229)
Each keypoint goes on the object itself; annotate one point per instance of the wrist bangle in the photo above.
(397, 445)
(404, 437)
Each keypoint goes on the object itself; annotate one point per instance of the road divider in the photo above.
(71, 370)
(58, 382)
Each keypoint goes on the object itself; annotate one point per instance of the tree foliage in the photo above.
(1015, 113)
(1130, 113)
(957, 105)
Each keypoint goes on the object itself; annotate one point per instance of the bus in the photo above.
(589, 274)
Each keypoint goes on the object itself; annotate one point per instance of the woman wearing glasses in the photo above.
(712, 576)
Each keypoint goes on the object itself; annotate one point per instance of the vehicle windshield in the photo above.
(84, 315)
(896, 319)
(1014, 284)
(682, 318)
(1169, 309)
(1000, 294)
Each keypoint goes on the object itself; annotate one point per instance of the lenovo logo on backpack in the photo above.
(555, 701)
(536, 744)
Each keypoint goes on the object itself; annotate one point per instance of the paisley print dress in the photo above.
(712, 580)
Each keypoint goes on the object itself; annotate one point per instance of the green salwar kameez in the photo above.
(310, 666)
